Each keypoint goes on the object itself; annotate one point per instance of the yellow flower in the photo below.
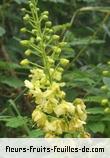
(57, 75)
(81, 112)
(50, 135)
(79, 109)
(75, 124)
(80, 102)
(55, 87)
(83, 117)
(64, 108)
(37, 74)
(54, 126)
(48, 108)
(87, 135)
(39, 117)
(28, 84)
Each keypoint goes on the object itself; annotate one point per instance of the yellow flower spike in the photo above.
(25, 62)
(39, 117)
(53, 114)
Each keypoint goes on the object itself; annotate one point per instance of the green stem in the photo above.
(42, 43)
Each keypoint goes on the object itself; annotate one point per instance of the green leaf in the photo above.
(86, 41)
(106, 81)
(16, 122)
(95, 111)
(106, 118)
(88, 1)
(9, 65)
(56, 1)
(2, 31)
(11, 81)
(36, 133)
(96, 99)
(96, 127)
(20, 1)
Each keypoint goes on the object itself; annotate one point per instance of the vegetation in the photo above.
(53, 62)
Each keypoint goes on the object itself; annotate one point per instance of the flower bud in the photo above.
(38, 9)
(24, 62)
(38, 39)
(45, 13)
(26, 17)
(57, 50)
(107, 110)
(24, 42)
(23, 9)
(47, 30)
(48, 23)
(108, 62)
(50, 60)
(32, 39)
(34, 31)
(62, 44)
(104, 102)
(55, 37)
(104, 88)
(45, 17)
(47, 37)
(31, 5)
(23, 30)
(105, 73)
(50, 31)
(64, 62)
(28, 52)
(60, 69)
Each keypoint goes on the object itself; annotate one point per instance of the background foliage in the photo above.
(88, 51)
